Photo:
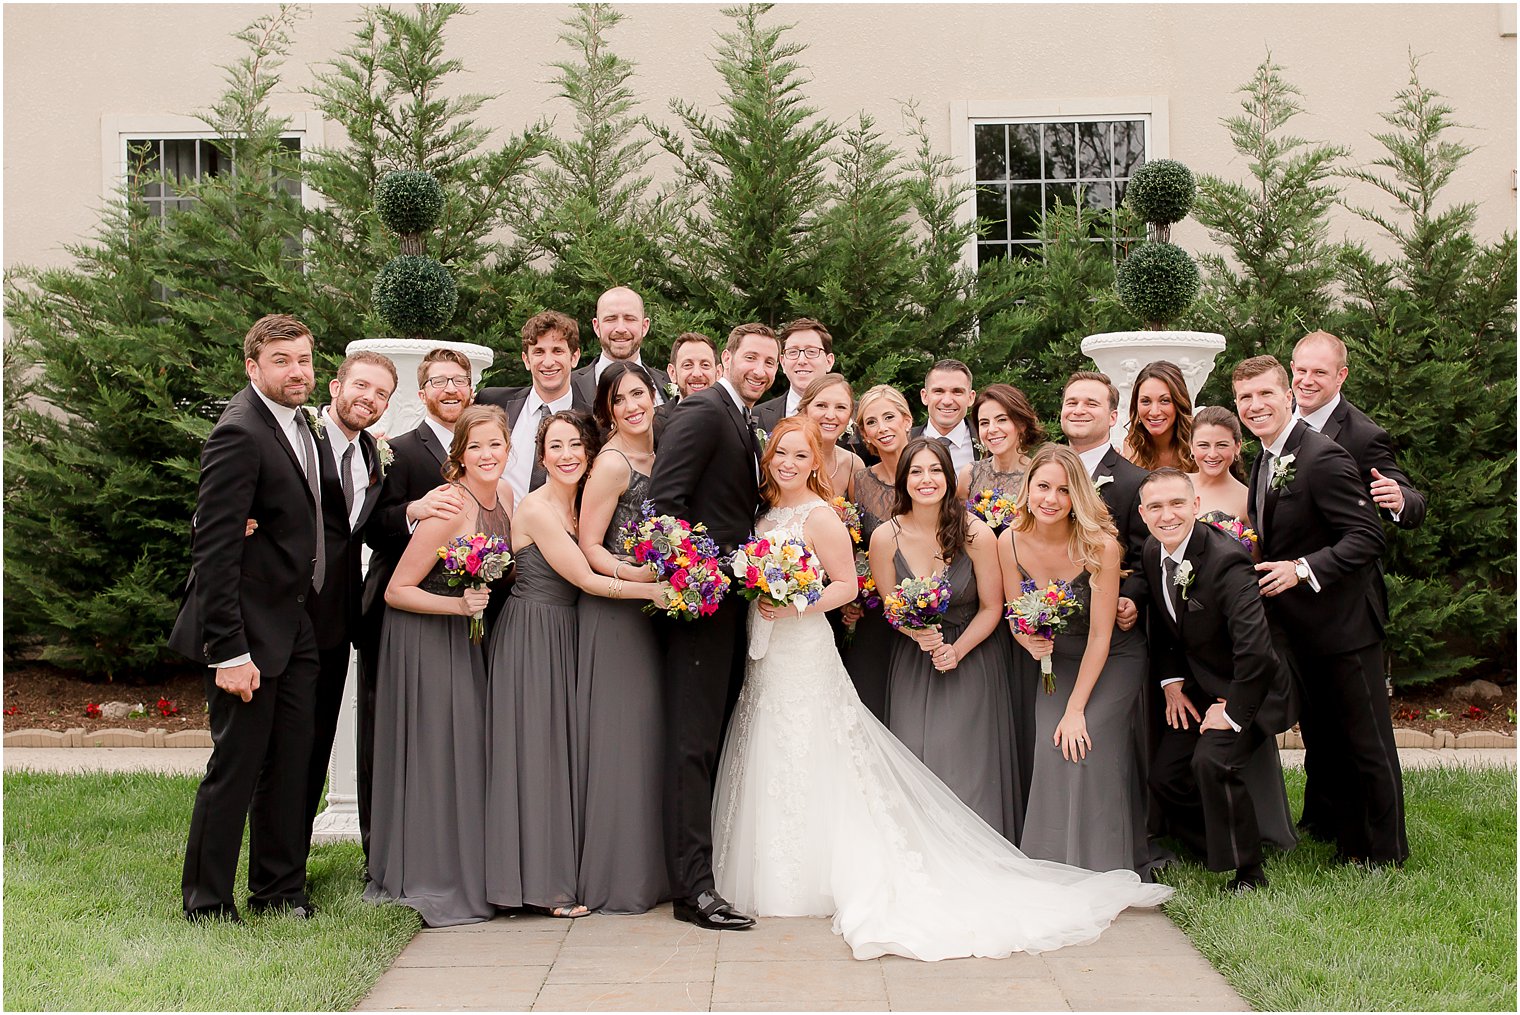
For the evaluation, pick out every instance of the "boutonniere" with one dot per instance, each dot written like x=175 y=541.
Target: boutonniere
x=978 y=448
x=1282 y=472
x=673 y=391
x=1102 y=481
x=763 y=437
x=1183 y=579
x=386 y=455
x=849 y=430
x=315 y=422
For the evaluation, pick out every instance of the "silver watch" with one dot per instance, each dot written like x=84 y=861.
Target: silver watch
x=1301 y=568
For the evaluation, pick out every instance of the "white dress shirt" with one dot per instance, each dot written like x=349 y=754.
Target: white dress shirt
x=1093 y=457
x=1319 y=417
x=519 y=473
x=358 y=469
x=1178 y=555
x=962 y=453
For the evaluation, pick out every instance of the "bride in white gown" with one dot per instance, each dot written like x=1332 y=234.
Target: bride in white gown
x=820 y=811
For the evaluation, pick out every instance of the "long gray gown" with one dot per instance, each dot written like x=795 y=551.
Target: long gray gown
x=427 y=840
x=532 y=822
x=1090 y=813
x=960 y=722
x=868 y=653
x=620 y=727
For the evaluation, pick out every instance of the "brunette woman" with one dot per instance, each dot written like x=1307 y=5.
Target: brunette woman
x=830 y=402
x=1160 y=419
x=1006 y=425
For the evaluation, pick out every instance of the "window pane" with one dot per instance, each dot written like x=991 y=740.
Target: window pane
x=1060 y=151
x=1023 y=151
x=990 y=251
x=1026 y=251
x=1098 y=195
x=1065 y=192
x=992 y=205
x=991 y=157
x=1129 y=146
x=179 y=158
x=1093 y=155
x=1023 y=210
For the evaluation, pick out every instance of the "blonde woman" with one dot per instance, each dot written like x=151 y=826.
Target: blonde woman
x=1086 y=802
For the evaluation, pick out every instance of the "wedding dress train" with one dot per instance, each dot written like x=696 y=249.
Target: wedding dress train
x=820 y=811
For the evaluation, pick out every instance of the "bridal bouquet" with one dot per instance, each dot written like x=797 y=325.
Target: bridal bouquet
x=780 y=572
x=475 y=561
x=917 y=603
x=681 y=554
x=1238 y=530
x=1043 y=612
x=994 y=508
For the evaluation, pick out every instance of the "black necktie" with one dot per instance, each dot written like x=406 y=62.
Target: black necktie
x=346 y=478
x=539 y=475
x=945 y=441
x=309 y=455
x=1169 y=571
x=1265 y=477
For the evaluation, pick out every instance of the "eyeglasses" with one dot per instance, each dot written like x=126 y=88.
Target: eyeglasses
x=448 y=382
x=813 y=352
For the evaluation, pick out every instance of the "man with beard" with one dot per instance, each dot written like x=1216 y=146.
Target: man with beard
x=620 y=327
x=351 y=474
x=693 y=366
x=244 y=615
x=413 y=490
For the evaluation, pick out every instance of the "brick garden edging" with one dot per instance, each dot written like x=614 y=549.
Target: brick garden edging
x=202 y=738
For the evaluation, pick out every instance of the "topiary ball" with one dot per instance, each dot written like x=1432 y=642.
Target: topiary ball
x=1157 y=282
x=1161 y=191
x=414 y=295
x=408 y=201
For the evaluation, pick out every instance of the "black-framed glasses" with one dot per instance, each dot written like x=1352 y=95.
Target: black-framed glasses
x=810 y=353
x=448 y=382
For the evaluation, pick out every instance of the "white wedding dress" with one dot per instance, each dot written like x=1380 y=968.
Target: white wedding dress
x=821 y=811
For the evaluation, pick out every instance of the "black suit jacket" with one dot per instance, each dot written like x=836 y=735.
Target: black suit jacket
x=335 y=610
x=1325 y=515
x=1370 y=447
x=1122 y=495
x=583 y=383
x=247 y=593
x=418 y=468
x=706 y=470
x=1220 y=642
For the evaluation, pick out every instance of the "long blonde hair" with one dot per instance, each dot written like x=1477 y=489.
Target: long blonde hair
x=1092 y=527
x=888 y=394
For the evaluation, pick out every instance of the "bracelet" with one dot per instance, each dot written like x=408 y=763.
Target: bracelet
x=617 y=569
x=614 y=588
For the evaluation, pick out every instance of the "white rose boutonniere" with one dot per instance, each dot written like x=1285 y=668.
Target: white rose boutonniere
x=672 y=391
x=387 y=456
x=1102 y=481
x=314 y=421
x=1183 y=579
x=1282 y=471
x=763 y=437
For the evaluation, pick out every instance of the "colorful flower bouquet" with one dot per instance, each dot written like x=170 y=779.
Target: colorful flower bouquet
x=917 y=603
x=1043 y=612
x=780 y=573
x=1237 y=530
x=681 y=554
x=850 y=515
x=993 y=507
x=475 y=561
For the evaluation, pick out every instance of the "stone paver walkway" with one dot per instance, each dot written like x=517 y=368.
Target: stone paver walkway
x=652 y=962
x=169 y=760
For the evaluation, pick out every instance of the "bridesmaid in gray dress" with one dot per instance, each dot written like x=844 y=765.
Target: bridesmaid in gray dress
x=884 y=420
x=427 y=842
x=533 y=817
x=947 y=686
x=1008 y=427
x=618 y=707
x=1086 y=802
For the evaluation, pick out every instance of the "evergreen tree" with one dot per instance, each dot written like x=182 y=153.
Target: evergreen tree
x=1276 y=283
x=1431 y=335
x=128 y=354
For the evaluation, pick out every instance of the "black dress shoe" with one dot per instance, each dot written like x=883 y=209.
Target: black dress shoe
x=304 y=911
x=710 y=912
x=214 y=914
x=1246 y=880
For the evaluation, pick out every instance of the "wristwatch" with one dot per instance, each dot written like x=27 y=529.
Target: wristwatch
x=1301 y=568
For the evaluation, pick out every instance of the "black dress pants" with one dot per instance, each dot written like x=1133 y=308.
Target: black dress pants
x=260 y=758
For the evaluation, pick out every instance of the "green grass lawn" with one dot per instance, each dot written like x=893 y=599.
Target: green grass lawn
x=1438 y=935
x=92 y=910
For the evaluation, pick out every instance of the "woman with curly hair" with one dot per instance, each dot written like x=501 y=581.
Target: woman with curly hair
x=1160 y=419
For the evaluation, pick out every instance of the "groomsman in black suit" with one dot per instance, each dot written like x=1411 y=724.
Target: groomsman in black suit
x=709 y=472
x=351 y=476
x=413 y=489
x=244 y=615
x=551 y=346
x=1320 y=543
x=947 y=393
x=1213 y=656
x=693 y=366
x=1319 y=370
x=807 y=351
x=620 y=327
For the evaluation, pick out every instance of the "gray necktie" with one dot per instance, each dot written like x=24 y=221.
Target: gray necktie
x=539 y=475
x=1265 y=477
x=346 y=478
x=1169 y=570
x=309 y=457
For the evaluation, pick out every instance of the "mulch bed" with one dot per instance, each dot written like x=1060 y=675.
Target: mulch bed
x=39 y=696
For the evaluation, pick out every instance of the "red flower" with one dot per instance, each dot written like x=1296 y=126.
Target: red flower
x=472 y=563
x=13 y=710
x=1474 y=712
x=167 y=707
x=92 y=710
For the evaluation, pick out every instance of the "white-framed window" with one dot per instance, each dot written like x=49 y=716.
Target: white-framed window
x=1020 y=158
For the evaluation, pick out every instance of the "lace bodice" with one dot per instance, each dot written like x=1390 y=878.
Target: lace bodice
x=985 y=476
x=875 y=500
x=789 y=523
x=629 y=508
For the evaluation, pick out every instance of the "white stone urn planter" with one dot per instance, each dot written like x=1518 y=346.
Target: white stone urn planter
x=339 y=821
x=1123 y=354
